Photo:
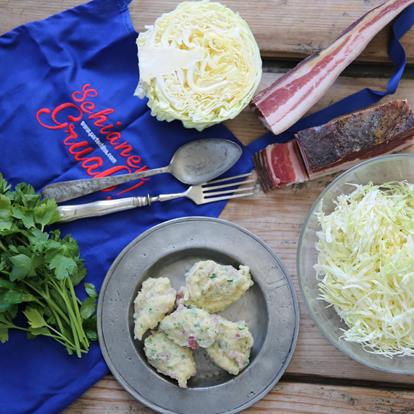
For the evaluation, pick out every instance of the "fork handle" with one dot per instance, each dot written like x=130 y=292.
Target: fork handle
x=101 y=208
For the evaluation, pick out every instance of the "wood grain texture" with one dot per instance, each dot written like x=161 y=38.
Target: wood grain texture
x=107 y=397
x=283 y=29
x=290 y=28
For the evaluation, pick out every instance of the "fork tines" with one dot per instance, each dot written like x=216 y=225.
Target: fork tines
x=230 y=187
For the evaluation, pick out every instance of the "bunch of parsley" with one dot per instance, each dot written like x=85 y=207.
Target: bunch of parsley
x=38 y=273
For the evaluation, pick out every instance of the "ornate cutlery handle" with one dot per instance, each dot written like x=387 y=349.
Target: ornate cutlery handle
x=101 y=208
x=68 y=190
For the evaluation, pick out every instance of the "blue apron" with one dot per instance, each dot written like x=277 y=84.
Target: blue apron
x=67 y=111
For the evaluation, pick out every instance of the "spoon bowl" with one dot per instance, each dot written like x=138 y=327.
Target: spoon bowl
x=204 y=160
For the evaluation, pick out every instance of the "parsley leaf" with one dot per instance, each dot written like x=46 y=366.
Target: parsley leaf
x=21 y=266
x=63 y=266
x=34 y=317
x=88 y=308
x=90 y=290
x=5 y=213
x=38 y=272
x=46 y=213
x=25 y=215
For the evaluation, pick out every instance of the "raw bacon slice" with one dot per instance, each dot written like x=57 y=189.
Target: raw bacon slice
x=291 y=96
x=337 y=145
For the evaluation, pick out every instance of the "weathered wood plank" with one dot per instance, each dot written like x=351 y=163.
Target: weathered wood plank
x=107 y=397
x=284 y=29
x=290 y=28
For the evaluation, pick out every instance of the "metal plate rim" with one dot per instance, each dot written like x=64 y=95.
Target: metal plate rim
x=142 y=236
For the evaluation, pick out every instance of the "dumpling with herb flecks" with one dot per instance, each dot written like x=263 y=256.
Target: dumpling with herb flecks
x=155 y=299
x=231 y=351
x=170 y=359
x=191 y=327
x=213 y=287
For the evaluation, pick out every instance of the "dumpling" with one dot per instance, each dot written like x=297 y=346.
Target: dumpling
x=170 y=359
x=213 y=287
x=231 y=351
x=155 y=299
x=193 y=327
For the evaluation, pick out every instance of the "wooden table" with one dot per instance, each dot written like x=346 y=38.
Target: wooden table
x=319 y=379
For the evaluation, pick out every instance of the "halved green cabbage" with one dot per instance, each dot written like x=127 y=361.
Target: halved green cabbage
x=199 y=64
x=366 y=266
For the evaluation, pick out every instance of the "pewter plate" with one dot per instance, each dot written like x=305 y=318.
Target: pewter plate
x=270 y=309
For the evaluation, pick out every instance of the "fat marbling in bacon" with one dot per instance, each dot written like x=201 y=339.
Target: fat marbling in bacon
x=291 y=96
x=337 y=145
x=280 y=165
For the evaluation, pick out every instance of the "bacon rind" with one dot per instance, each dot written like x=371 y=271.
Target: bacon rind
x=291 y=96
x=263 y=172
x=398 y=143
x=348 y=139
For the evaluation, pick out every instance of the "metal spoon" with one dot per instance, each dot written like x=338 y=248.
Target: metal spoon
x=193 y=163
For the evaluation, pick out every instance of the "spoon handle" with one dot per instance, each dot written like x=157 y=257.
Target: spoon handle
x=68 y=190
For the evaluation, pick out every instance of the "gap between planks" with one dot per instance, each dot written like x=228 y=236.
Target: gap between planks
x=107 y=397
x=355 y=70
x=345 y=382
x=288 y=29
x=291 y=28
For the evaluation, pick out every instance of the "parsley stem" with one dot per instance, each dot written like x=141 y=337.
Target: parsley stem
x=61 y=335
x=72 y=348
x=21 y=240
x=68 y=344
x=58 y=309
x=83 y=338
x=48 y=300
x=74 y=324
x=56 y=315
x=13 y=326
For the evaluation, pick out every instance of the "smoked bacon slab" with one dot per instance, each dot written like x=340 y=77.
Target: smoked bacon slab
x=337 y=145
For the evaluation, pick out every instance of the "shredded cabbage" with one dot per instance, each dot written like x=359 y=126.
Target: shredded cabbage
x=199 y=64
x=366 y=266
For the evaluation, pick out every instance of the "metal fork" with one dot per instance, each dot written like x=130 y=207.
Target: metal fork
x=217 y=190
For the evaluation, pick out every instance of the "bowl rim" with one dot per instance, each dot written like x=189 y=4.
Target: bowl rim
x=305 y=225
